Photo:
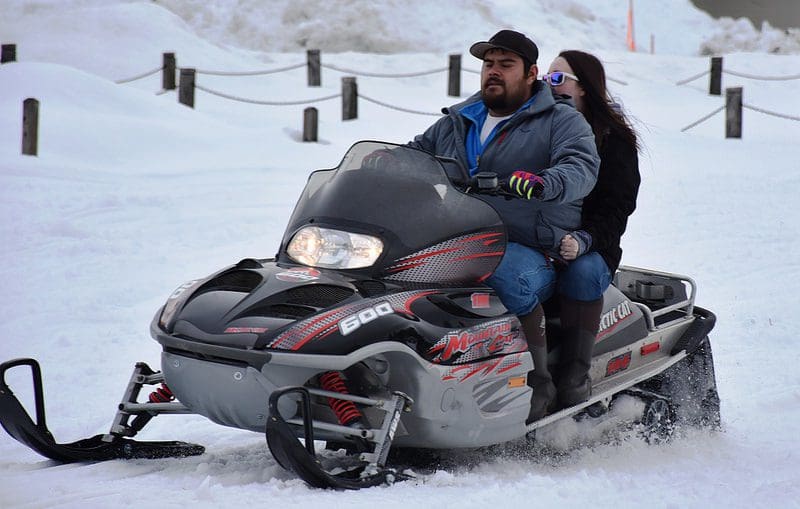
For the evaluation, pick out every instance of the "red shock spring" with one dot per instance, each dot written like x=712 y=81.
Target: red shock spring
x=161 y=395
x=345 y=410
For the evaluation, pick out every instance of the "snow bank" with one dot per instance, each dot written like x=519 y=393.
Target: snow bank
x=741 y=35
x=416 y=26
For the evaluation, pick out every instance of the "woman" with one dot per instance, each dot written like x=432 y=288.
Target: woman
x=593 y=252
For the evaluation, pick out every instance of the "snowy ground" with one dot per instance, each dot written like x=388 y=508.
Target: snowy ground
x=133 y=194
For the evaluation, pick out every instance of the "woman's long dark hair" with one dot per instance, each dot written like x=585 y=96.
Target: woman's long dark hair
x=598 y=107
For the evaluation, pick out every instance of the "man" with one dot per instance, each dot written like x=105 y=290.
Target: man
x=546 y=151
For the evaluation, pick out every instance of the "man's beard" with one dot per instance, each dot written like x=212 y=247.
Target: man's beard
x=495 y=102
x=502 y=101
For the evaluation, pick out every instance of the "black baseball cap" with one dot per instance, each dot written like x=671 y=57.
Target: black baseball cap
x=508 y=40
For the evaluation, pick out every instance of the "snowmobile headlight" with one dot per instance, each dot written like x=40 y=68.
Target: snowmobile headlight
x=334 y=249
x=176 y=300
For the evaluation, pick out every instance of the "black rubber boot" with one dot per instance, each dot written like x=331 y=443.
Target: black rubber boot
x=579 y=321
x=543 y=400
x=544 y=391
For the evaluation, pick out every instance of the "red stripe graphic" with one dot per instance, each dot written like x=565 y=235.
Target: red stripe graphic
x=480 y=236
x=478 y=255
x=427 y=255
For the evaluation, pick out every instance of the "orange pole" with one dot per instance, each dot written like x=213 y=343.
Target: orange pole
x=630 y=41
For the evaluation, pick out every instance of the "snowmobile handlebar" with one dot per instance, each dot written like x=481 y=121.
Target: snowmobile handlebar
x=487 y=182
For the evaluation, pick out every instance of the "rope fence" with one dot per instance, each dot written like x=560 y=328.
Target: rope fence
x=771 y=113
x=384 y=75
x=140 y=76
x=738 y=74
x=733 y=114
x=733 y=97
x=692 y=78
x=349 y=95
x=313 y=63
x=398 y=108
x=716 y=71
x=703 y=118
x=252 y=73
x=265 y=103
x=763 y=78
x=746 y=106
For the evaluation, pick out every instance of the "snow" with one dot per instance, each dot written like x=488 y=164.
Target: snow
x=132 y=194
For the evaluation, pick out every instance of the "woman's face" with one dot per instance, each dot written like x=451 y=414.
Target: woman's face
x=569 y=87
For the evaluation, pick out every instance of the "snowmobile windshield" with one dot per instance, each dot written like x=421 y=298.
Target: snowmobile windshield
x=400 y=195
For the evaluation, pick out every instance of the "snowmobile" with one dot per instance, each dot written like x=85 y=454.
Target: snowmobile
x=371 y=330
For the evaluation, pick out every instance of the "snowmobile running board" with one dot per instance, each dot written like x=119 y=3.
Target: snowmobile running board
x=603 y=392
x=689 y=342
x=113 y=445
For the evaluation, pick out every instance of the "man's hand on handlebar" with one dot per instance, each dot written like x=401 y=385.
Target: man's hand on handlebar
x=486 y=182
x=526 y=184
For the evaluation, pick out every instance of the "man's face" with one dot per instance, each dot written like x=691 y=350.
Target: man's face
x=505 y=83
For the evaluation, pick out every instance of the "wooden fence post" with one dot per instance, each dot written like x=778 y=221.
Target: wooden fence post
x=186 y=87
x=314 y=65
x=310 y=122
x=715 y=81
x=454 y=76
x=733 y=112
x=30 y=127
x=349 y=98
x=168 y=72
x=8 y=53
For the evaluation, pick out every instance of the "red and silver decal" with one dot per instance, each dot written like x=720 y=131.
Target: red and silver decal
x=319 y=327
x=492 y=367
x=612 y=318
x=467 y=257
x=487 y=339
x=618 y=363
x=298 y=274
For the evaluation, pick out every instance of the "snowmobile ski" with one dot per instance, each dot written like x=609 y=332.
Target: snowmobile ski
x=18 y=423
x=368 y=469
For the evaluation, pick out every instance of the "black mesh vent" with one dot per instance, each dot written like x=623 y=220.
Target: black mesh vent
x=320 y=296
x=285 y=311
x=371 y=288
x=236 y=281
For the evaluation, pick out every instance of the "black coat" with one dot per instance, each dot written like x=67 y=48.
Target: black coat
x=607 y=207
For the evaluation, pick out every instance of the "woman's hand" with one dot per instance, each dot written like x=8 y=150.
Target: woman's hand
x=569 y=247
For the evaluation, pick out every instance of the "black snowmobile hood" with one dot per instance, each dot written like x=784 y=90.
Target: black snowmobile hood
x=431 y=231
x=434 y=236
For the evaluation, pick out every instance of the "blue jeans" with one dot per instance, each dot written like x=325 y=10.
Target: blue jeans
x=585 y=278
x=524 y=278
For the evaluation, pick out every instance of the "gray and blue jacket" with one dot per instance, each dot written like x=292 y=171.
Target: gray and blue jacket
x=547 y=137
